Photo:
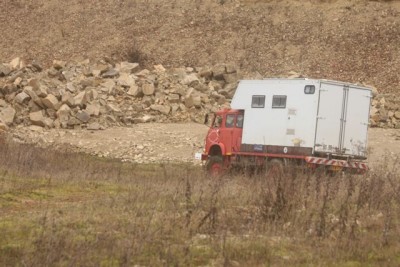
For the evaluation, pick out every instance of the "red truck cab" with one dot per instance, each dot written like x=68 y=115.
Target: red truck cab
x=223 y=138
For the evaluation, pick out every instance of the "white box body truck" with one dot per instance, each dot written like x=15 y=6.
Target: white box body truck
x=319 y=122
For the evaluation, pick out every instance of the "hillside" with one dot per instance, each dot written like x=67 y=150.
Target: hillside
x=355 y=41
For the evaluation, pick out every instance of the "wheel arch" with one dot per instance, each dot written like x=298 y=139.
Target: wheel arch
x=217 y=150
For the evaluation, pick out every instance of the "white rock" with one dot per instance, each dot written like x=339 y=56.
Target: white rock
x=16 y=63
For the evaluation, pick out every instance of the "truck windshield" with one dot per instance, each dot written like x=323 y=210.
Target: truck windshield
x=230 y=121
x=239 y=121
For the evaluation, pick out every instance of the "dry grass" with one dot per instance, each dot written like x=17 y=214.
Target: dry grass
x=62 y=209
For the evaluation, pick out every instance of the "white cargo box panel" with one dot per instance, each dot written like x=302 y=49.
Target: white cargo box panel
x=329 y=117
x=343 y=117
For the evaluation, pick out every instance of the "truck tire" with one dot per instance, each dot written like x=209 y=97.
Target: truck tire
x=274 y=168
x=215 y=166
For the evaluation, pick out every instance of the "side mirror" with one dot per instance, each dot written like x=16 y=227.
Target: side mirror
x=206 y=119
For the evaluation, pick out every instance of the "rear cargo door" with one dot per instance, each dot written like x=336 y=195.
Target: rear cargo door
x=354 y=136
x=342 y=120
x=331 y=97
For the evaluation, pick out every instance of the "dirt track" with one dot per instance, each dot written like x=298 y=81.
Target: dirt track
x=157 y=142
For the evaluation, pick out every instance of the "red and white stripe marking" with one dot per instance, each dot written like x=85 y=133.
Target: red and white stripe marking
x=336 y=162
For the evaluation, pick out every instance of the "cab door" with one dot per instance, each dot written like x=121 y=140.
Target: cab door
x=231 y=132
x=226 y=132
x=237 y=133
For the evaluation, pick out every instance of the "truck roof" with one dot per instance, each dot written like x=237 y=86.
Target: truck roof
x=225 y=110
x=307 y=79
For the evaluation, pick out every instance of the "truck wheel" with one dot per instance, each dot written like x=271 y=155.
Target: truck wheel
x=274 y=168
x=215 y=166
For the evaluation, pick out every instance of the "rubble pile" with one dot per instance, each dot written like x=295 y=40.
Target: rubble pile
x=103 y=94
x=98 y=95
x=385 y=111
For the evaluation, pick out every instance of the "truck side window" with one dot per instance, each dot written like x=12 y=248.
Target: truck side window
x=230 y=120
x=309 y=89
x=217 y=122
x=258 y=101
x=239 y=121
x=279 y=101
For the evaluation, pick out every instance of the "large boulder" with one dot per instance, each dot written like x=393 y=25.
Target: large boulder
x=4 y=70
x=80 y=99
x=63 y=113
x=110 y=73
x=126 y=80
x=7 y=115
x=3 y=127
x=163 y=109
x=17 y=63
x=83 y=116
x=39 y=89
x=59 y=64
x=37 y=118
x=22 y=98
x=148 y=89
x=190 y=80
x=127 y=67
x=37 y=100
x=93 y=109
x=219 y=71
x=50 y=101
x=68 y=98
x=173 y=98
x=113 y=107
x=135 y=91
x=108 y=86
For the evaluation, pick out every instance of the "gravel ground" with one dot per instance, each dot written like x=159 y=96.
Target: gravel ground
x=158 y=142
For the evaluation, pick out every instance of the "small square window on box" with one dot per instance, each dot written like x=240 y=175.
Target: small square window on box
x=279 y=101
x=258 y=101
x=309 y=89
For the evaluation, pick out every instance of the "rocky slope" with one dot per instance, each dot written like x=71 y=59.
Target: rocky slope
x=354 y=41
x=97 y=95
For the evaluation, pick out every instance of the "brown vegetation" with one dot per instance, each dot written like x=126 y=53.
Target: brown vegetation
x=71 y=209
